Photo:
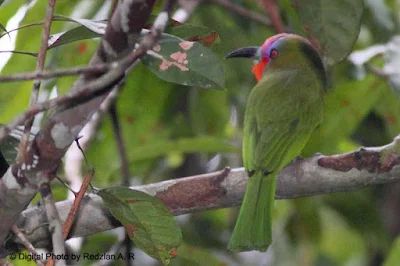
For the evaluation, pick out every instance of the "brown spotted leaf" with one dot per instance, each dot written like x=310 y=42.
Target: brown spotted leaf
x=146 y=220
x=184 y=62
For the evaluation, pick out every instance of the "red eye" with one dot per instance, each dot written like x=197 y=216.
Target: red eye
x=273 y=54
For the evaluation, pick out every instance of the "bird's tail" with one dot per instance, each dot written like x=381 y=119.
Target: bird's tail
x=253 y=226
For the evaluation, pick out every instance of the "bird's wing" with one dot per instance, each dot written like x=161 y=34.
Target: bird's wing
x=277 y=124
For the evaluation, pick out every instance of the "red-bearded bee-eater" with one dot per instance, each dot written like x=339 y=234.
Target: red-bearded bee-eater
x=282 y=111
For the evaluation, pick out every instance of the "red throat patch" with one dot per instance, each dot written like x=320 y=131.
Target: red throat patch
x=258 y=68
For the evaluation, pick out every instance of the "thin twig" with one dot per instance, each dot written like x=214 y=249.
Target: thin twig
x=124 y=167
x=31 y=231
x=75 y=154
x=120 y=145
x=45 y=190
x=100 y=68
x=65 y=185
x=242 y=11
x=39 y=67
x=86 y=93
x=28 y=245
x=23 y=27
x=81 y=149
x=55 y=226
x=78 y=198
x=19 y=52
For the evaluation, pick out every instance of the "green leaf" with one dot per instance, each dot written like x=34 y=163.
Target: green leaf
x=76 y=34
x=333 y=25
x=394 y=255
x=183 y=62
x=95 y=26
x=8 y=148
x=146 y=220
x=89 y=29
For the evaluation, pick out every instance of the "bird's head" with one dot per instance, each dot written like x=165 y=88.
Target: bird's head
x=281 y=50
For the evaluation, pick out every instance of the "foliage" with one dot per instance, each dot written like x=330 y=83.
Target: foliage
x=146 y=220
x=172 y=130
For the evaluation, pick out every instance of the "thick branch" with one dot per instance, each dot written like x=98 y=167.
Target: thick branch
x=303 y=177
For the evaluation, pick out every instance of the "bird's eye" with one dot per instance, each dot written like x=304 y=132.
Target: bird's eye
x=273 y=54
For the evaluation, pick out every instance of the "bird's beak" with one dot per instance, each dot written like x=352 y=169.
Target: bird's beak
x=248 y=52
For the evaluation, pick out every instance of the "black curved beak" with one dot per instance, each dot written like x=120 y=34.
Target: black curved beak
x=248 y=52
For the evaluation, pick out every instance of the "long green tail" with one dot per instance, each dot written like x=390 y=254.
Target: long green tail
x=253 y=227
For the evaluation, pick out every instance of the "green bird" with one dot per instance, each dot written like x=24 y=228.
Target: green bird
x=282 y=111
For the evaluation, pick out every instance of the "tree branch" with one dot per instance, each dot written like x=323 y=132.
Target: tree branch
x=22 y=180
x=303 y=177
x=29 y=247
x=92 y=70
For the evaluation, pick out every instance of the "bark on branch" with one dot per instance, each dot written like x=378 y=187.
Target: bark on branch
x=303 y=177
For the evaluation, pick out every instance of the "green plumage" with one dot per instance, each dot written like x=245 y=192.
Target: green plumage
x=282 y=111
